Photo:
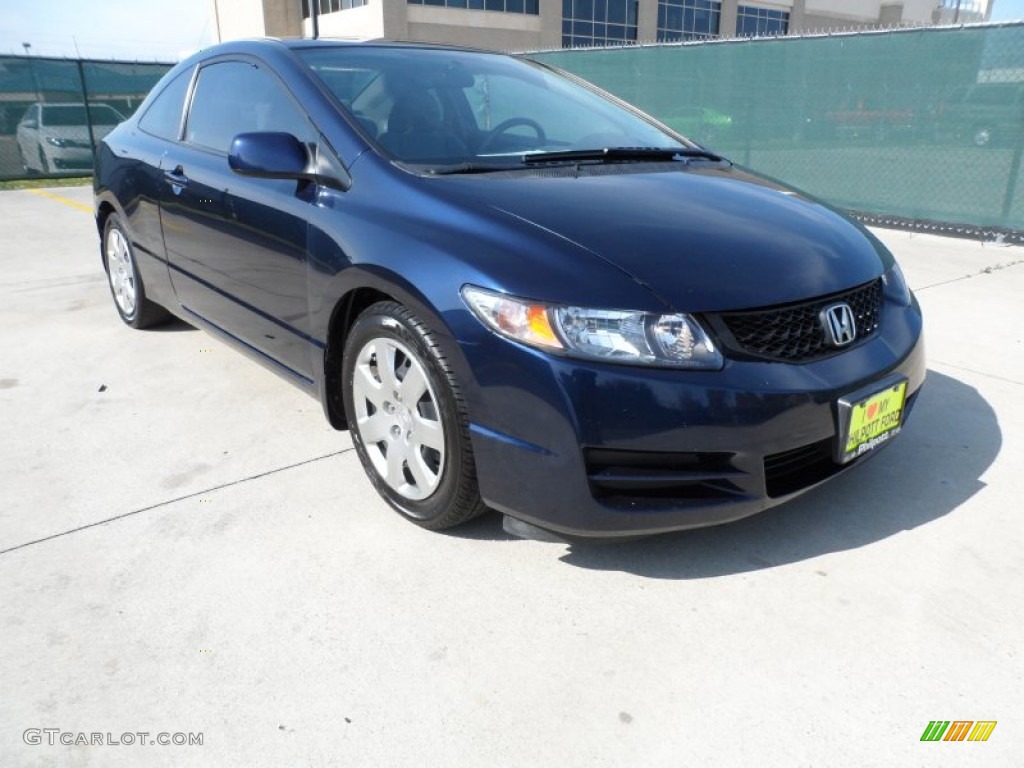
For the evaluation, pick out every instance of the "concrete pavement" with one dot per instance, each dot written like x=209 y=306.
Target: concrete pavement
x=187 y=547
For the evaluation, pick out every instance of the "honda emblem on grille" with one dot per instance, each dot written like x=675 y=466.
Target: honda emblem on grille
x=840 y=326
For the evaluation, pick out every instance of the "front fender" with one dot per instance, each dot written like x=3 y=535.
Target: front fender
x=332 y=329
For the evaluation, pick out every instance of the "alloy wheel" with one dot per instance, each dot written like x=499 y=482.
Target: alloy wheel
x=121 y=271
x=398 y=418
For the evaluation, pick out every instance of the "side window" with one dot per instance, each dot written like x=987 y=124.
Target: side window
x=163 y=118
x=235 y=97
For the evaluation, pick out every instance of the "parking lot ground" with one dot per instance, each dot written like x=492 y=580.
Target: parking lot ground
x=187 y=547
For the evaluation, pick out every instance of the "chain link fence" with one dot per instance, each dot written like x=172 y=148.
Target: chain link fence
x=46 y=128
x=920 y=127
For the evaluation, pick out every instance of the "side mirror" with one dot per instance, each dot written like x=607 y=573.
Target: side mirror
x=273 y=155
x=270 y=155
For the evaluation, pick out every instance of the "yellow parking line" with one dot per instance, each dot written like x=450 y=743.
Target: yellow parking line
x=62 y=199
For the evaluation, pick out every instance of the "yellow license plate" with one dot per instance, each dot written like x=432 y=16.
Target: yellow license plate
x=874 y=421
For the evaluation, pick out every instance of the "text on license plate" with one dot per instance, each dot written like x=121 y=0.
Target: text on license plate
x=874 y=420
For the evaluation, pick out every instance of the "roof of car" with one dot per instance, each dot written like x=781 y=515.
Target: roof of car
x=256 y=44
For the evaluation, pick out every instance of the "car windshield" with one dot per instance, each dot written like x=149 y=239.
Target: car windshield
x=436 y=107
x=74 y=114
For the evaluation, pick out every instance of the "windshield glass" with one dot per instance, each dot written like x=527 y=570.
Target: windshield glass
x=438 y=107
x=74 y=114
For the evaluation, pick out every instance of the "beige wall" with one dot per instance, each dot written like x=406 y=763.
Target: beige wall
x=853 y=14
x=282 y=19
x=477 y=29
x=551 y=23
x=363 y=23
x=919 y=11
x=646 y=21
x=477 y=37
x=232 y=19
x=873 y=12
x=816 y=23
x=397 y=20
x=854 y=10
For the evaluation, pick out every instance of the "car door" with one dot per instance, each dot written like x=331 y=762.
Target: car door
x=139 y=153
x=236 y=246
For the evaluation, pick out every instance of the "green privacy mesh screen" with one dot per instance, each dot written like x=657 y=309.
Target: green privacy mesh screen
x=45 y=129
x=922 y=124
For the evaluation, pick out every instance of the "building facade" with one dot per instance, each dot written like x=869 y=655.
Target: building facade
x=518 y=25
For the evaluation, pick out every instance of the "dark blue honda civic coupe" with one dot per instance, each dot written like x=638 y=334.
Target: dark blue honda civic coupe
x=516 y=291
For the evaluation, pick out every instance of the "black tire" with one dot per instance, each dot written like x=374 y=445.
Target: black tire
x=141 y=313
x=456 y=497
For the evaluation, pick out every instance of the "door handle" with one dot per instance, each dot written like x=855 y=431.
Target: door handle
x=177 y=177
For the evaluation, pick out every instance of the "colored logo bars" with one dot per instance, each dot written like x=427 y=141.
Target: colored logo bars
x=958 y=730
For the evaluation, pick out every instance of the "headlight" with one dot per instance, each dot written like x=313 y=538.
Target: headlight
x=55 y=141
x=609 y=335
x=896 y=286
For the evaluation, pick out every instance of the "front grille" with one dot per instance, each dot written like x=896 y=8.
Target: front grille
x=794 y=333
x=654 y=478
x=71 y=165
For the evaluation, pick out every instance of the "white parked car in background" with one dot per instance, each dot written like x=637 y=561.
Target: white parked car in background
x=55 y=137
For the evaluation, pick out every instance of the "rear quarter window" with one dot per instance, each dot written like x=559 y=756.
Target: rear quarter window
x=163 y=118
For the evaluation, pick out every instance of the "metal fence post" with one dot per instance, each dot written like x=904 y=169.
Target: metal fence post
x=88 y=115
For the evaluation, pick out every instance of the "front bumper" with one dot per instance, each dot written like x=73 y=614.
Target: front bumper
x=70 y=158
x=586 y=449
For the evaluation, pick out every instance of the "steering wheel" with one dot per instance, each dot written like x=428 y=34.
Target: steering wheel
x=506 y=125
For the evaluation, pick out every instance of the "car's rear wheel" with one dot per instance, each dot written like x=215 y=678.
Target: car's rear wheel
x=125 y=284
x=408 y=420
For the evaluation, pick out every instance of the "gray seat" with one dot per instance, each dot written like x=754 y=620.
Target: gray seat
x=416 y=130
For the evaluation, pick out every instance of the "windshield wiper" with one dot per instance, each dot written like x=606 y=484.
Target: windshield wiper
x=620 y=154
x=469 y=167
x=601 y=155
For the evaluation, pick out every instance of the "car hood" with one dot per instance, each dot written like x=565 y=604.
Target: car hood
x=707 y=239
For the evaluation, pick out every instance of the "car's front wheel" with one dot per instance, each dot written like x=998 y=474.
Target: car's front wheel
x=123 y=276
x=408 y=420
